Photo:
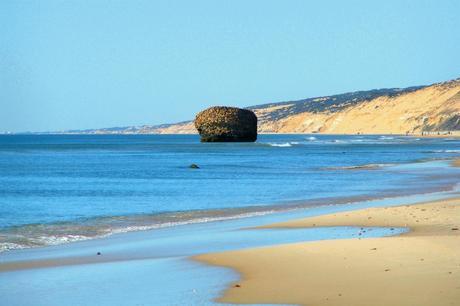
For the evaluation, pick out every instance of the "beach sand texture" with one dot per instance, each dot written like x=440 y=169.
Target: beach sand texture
x=421 y=267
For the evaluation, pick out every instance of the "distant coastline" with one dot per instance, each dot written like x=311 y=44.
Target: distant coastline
x=432 y=110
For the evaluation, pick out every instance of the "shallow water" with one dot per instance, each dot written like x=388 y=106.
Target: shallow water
x=62 y=188
x=152 y=268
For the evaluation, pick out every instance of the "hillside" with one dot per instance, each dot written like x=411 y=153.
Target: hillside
x=413 y=110
x=418 y=109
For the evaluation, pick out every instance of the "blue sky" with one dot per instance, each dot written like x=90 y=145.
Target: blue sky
x=88 y=64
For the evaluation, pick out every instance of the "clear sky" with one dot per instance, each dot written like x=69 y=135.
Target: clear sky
x=88 y=64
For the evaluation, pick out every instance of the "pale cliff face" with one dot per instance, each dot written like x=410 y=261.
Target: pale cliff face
x=384 y=111
x=412 y=112
x=432 y=108
x=423 y=110
x=180 y=128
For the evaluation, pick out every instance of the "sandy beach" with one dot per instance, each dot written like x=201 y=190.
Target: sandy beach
x=420 y=267
x=456 y=163
x=322 y=255
x=206 y=153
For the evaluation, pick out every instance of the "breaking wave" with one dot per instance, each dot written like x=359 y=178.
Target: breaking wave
x=39 y=235
x=283 y=144
x=443 y=151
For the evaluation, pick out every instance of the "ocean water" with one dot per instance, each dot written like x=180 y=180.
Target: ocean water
x=61 y=188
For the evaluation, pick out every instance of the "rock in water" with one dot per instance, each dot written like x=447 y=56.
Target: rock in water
x=226 y=124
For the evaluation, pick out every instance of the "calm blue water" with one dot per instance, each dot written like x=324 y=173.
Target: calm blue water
x=59 y=188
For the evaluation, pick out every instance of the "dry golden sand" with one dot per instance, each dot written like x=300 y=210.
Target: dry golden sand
x=419 y=268
x=456 y=163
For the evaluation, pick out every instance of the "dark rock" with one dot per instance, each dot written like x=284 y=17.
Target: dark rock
x=194 y=166
x=226 y=124
x=98 y=253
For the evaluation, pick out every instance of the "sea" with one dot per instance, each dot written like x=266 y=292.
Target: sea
x=56 y=189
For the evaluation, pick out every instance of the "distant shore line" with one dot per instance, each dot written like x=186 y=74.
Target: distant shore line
x=422 y=134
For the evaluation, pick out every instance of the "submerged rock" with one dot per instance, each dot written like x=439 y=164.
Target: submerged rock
x=226 y=124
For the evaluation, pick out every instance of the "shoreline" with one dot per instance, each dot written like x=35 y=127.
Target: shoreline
x=137 y=223
x=13 y=259
x=245 y=213
x=159 y=264
x=420 y=267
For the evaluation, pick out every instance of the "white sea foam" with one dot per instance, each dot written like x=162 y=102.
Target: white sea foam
x=54 y=240
x=47 y=240
x=136 y=228
x=7 y=246
x=281 y=145
x=445 y=151
x=311 y=138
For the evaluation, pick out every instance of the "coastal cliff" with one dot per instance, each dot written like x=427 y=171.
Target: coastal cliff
x=415 y=110
x=431 y=109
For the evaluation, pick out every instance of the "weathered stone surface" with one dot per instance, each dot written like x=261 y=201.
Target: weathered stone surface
x=226 y=124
